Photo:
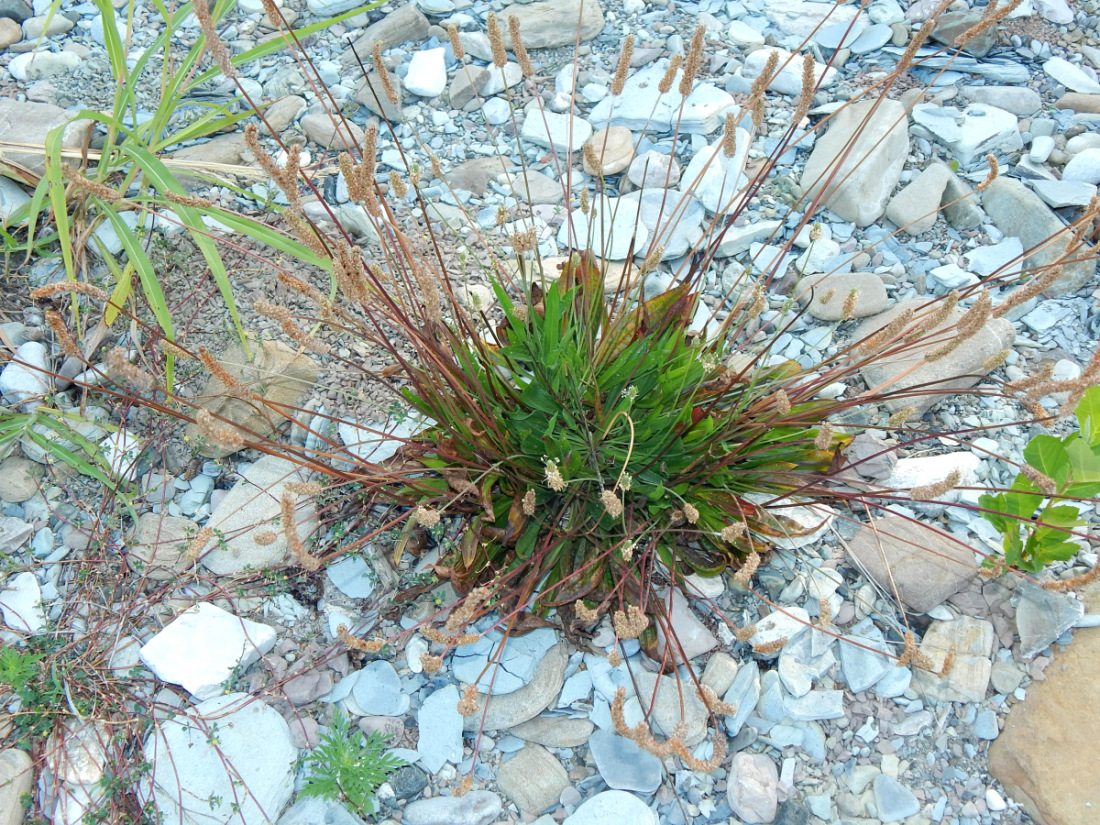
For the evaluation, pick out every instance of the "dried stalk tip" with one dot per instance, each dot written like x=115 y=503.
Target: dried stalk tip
x=467 y=705
x=744 y=573
x=496 y=41
x=994 y=170
x=619 y=82
x=384 y=75
x=824 y=437
x=729 y=136
x=929 y=492
x=198 y=544
x=355 y=643
x=64 y=338
x=691 y=513
x=1073 y=583
x=426 y=516
x=670 y=74
x=611 y=504
x=518 y=49
x=768 y=648
x=585 y=614
x=631 y=623
x=1044 y=482
x=694 y=60
x=224 y=436
x=456 y=42
x=746 y=632
x=79 y=287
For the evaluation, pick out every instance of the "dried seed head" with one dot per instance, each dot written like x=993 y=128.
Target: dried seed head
x=355 y=643
x=694 y=60
x=760 y=83
x=198 y=544
x=585 y=614
x=233 y=385
x=848 y=310
x=631 y=623
x=266 y=538
x=526 y=241
x=994 y=170
x=1072 y=583
x=899 y=418
x=294 y=546
x=744 y=573
x=729 y=136
x=825 y=612
x=518 y=48
x=214 y=44
x=670 y=74
x=746 y=632
x=768 y=648
x=456 y=42
x=221 y=435
x=614 y=658
x=691 y=513
x=384 y=75
x=121 y=370
x=187 y=200
x=758 y=302
x=429 y=663
x=713 y=703
x=78 y=287
x=928 y=492
x=592 y=163
x=623 y=68
x=809 y=82
x=1029 y=290
x=1044 y=482
x=992 y=362
x=554 y=478
x=758 y=113
x=585 y=206
x=64 y=338
x=782 y=402
x=310 y=489
x=732 y=532
x=611 y=503
x=626 y=551
x=426 y=516
x=463 y=787
x=467 y=705
x=397 y=186
x=500 y=54
x=529 y=503
x=824 y=438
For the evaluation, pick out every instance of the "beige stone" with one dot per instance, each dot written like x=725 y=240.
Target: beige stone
x=370 y=93
x=9 y=32
x=925 y=566
x=158 y=548
x=1050 y=741
x=554 y=731
x=959 y=370
x=550 y=23
x=283 y=112
x=533 y=779
x=468 y=79
x=30 y=123
x=511 y=709
x=831 y=292
x=320 y=129
x=1079 y=102
x=614 y=149
x=277 y=373
x=16 y=779
x=19 y=479
x=406 y=23
x=967 y=680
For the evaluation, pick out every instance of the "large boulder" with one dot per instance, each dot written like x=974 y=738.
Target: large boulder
x=31 y=123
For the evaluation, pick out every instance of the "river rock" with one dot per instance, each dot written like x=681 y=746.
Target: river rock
x=972 y=133
x=916 y=207
x=529 y=701
x=399 y=26
x=26 y=380
x=21 y=603
x=753 y=787
x=614 y=148
x=952 y=24
x=16 y=779
x=788 y=80
x=554 y=731
x=158 y=547
x=830 y=294
x=475 y=808
x=1046 y=739
x=968 y=678
x=533 y=779
x=619 y=807
x=1019 y=100
x=19 y=479
x=547 y=24
x=440 y=730
x=858 y=188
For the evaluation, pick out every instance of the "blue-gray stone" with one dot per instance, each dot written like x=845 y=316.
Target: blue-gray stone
x=42 y=544
x=1042 y=616
x=895 y=682
x=512 y=670
x=353 y=577
x=813 y=740
x=863 y=668
x=985 y=725
x=743 y=695
x=893 y=800
x=577 y=688
x=377 y=691
x=440 y=725
x=316 y=811
x=772 y=705
x=785 y=736
x=815 y=705
x=799 y=667
x=623 y=764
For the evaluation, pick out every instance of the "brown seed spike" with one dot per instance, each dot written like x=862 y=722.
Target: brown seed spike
x=496 y=41
x=456 y=42
x=384 y=75
x=694 y=60
x=670 y=74
x=518 y=48
x=624 y=65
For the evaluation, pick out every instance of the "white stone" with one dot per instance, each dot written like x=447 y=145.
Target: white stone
x=26 y=376
x=714 y=178
x=204 y=646
x=440 y=730
x=926 y=470
x=814 y=519
x=558 y=132
x=788 y=80
x=778 y=625
x=1072 y=77
x=1084 y=167
x=1041 y=147
x=377 y=442
x=327 y=8
x=21 y=603
x=497 y=80
x=742 y=34
x=611 y=228
x=1060 y=193
x=229 y=759
x=31 y=66
x=980 y=130
x=12 y=198
x=800 y=18
x=619 y=807
x=427 y=75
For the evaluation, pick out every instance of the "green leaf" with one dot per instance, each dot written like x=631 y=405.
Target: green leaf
x=1088 y=416
x=1048 y=455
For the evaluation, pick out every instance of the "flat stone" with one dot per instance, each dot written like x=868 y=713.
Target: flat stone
x=378 y=692
x=653 y=169
x=817 y=705
x=1042 y=616
x=714 y=179
x=720 y=672
x=533 y=779
x=1016 y=211
x=614 y=148
x=21 y=603
x=1084 y=167
x=959 y=370
x=788 y=80
x=547 y=24
x=893 y=800
x=1061 y=193
x=319 y=129
x=25 y=379
x=619 y=807
x=353 y=577
x=1046 y=739
x=203 y=647
x=916 y=207
x=508 y=710
x=952 y=24
x=401 y=25
x=925 y=566
x=497 y=80
x=968 y=678
x=860 y=660
x=1079 y=103
x=440 y=730
x=280 y=114
x=554 y=731
x=562 y=133
x=743 y=695
x=1072 y=77
x=672 y=705
x=158 y=547
x=30 y=122
x=202 y=758
x=475 y=808
x=251 y=510
x=427 y=75
x=970 y=134
x=1019 y=100
x=371 y=93
x=19 y=479
x=467 y=82
x=313 y=810
x=537 y=187
x=753 y=787
x=693 y=638
x=506 y=671
x=14 y=533
x=612 y=223
x=830 y=294
x=859 y=187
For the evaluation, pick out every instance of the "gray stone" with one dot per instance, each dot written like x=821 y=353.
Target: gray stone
x=916 y=207
x=200 y=761
x=860 y=660
x=317 y=811
x=985 y=725
x=250 y=511
x=960 y=204
x=1084 y=167
x=1072 y=77
x=320 y=129
x=561 y=133
x=969 y=135
x=693 y=638
x=1019 y=100
x=16 y=779
x=613 y=222
x=440 y=728
x=26 y=376
x=858 y=187
x=283 y=112
x=158 y=547
x=753 y=787
x=968 y=678
x=403 y=24
x=815 y=705
x=893 y=800
x=1017 y=211
x=506 y=671
x=467 y=82
x=959 y=370
x=654 y=169
x=508 y=710
x=475 y=808
x=31 y=122
x=1042 y=616
x=1061 y=193
x=554 y=731
x=309 y=686
x=830 y=294
x=720 y=672
x=623 y=764
x=673 y=704
x=14 y=533
x=533 y=779
x=371 y=93
x=923 y=564
x=788 y=79
x=537 y=187
x=743 y=695
x=377 y=691
x=952 y=24
x=353 y=576
x=619 y=807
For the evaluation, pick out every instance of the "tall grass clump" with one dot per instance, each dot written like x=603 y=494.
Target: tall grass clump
x=587 y=435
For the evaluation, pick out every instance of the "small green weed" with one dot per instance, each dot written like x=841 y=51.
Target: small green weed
x=349 y=766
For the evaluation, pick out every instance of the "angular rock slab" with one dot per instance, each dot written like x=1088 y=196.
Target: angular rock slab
x=547 y=24
x=1017 y=211
x=529 y=701
x=959 y=370
x=507 y=672
x=1049 y=738
x=30 y=123
x=252 y=509
x=229 y=760
x=924 y=565
x=440 y=729
x=619 y=807
x=203 y=647
x=623 y=764
x=859 y=187
x=968 y=678
x=475 y=808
